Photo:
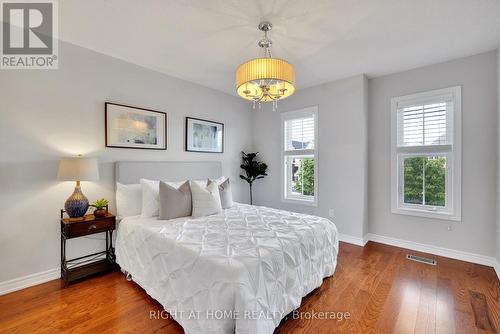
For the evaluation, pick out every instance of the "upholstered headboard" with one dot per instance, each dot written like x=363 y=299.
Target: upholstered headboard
x=128 y=172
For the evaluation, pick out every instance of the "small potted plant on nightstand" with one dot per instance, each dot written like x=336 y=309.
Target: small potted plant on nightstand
x=100 y=206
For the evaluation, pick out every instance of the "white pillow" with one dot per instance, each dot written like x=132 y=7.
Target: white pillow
x=128 y=199
x=226 y=195
x=150 y=196
x=202 y=183
x=220 y=180
x=206 y=199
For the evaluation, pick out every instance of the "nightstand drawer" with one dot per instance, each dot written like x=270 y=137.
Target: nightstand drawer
x=78 y=229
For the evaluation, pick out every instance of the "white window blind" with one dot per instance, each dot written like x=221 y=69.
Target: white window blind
x=424 y=124
x=299 y=156
x=299 y=133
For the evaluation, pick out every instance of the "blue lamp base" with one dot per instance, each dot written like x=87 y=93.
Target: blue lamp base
x=77 y=204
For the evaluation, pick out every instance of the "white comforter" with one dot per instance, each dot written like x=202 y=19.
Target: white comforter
x=239 y=271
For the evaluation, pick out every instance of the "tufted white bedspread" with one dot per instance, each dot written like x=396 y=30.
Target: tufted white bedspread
x=240 y=271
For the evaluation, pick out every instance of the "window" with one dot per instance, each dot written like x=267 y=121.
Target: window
x=426 y=154
x=299 y=156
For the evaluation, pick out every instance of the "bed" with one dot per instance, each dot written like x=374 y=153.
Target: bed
x=240 y=271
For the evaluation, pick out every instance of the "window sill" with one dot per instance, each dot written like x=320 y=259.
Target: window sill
x=313 y=203
x=426 y=214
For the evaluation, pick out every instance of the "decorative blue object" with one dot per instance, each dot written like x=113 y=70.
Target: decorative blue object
x=77 y=169
x=77 y=204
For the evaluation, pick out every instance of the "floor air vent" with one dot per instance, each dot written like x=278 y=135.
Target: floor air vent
x=421 y=259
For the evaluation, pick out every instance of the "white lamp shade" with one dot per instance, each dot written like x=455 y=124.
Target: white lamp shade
x=78 y=169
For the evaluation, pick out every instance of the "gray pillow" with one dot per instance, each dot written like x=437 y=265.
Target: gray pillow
x=226 y=196
x=174 y=202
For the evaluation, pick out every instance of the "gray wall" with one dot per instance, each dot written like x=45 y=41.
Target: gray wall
x=342 y=131
x=476 y=232
x=498 y=155
x=46 y=115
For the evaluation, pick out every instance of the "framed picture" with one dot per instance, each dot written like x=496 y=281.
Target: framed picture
x=132 y=127
x=204 y=136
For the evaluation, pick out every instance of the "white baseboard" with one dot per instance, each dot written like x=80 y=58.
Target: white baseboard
x=365 y=239
x=29 y=280
x=352 y=239
x=497 y=269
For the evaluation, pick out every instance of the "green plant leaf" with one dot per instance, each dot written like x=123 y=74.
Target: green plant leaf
x=100 y=203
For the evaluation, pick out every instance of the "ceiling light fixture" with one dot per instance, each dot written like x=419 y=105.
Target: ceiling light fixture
x=265 y=79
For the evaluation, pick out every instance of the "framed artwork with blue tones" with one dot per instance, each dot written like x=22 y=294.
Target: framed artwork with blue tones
x=204 y=136
x=132 y=127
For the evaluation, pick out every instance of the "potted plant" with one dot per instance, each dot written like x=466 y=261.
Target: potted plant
x=254 y=169
x=100 y=206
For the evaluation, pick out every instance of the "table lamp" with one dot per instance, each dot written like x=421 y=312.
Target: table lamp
x=77 y=169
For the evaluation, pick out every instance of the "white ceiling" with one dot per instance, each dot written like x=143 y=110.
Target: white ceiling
x=205 y=40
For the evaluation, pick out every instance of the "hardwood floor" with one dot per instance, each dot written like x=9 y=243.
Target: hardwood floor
x=381 y=290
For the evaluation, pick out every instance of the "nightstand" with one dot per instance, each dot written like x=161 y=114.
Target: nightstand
x=91 y=264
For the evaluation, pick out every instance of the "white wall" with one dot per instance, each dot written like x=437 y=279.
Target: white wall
x=342 y=154
x=46 y=115
x=476 y=232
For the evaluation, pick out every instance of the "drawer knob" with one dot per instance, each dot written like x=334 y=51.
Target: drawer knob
x=92 y=227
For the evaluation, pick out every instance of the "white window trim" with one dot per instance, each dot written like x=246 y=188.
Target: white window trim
x=454 y=157
x=290 y=115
